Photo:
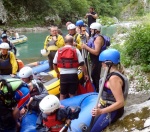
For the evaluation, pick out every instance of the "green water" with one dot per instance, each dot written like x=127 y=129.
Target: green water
x=30 y=51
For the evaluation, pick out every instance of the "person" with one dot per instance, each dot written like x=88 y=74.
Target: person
x=37 y=89
x=72 y=32
x=14 y=95
x=54 y=115
x=8 y=63
x=16 y=34
x=68 y=59
x=67 y=23
x=81 y=29
x=94 y=47
x=52 y=43
x=91 y=16
x=114 y=93
x=11 y=45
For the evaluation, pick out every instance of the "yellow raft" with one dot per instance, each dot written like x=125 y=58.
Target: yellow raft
x=53 y=85
x=20 y=40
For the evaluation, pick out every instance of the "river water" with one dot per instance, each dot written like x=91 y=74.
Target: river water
x=30 y=51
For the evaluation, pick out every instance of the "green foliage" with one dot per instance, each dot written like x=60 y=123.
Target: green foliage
x=137 y=46
x=107 y=21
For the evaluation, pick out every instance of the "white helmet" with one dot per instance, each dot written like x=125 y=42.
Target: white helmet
x=71 y=26
x=96 y=25
x=25 y=72
x=49 y=104
x=44 y=52
x=4 y=46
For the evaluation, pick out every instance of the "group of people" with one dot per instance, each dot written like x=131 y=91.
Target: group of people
x=28 y=93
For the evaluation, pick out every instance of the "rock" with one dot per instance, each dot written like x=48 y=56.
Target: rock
x=136 y=119
x=3 y=13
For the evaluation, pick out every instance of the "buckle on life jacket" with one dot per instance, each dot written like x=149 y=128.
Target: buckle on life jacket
x=106 y=102
x=57 y=126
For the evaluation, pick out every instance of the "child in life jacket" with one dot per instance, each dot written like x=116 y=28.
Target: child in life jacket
x=36 y=87
x=54 y=116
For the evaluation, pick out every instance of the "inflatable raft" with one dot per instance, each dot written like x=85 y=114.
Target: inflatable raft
x=20 y=40
x=53 y=85
x=85 y=101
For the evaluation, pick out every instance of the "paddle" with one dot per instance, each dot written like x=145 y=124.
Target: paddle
x=101 y=85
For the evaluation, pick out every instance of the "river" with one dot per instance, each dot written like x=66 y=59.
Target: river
x=30 y=51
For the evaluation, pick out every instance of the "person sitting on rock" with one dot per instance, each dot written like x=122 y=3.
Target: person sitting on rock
x=8 y=63
x=37 y=89
x=54 y=116
x=114 y=93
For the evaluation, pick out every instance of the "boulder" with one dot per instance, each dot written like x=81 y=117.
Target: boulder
x=3 y=13
x=136 y=119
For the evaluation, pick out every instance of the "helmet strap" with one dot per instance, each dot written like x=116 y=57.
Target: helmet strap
x=109 y=64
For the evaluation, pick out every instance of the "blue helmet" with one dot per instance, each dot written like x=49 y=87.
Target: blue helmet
x=112 y=55
x=79 y=23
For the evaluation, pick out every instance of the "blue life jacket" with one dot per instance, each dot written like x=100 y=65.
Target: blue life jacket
x=90 y=44
x=106 y=42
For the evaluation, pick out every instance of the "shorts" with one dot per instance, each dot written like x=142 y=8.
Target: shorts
x=68 y=83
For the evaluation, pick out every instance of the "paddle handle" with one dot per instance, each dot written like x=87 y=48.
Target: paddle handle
x=101 y=85
x=64 y=127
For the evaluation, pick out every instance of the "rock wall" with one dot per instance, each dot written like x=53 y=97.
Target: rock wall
x=3 y=13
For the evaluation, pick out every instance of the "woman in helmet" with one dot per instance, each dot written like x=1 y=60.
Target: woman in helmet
x=37 y=89
x=54 y=115
x=8 y=63
x=81 y=29
x=114 y=92
x=72 y=32
x=94 y=46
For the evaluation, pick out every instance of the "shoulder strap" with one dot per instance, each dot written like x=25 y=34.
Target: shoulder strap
x=125 y=82
x=75 y=38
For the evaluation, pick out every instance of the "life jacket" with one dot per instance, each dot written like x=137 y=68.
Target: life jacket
x=94 y=58
x=8 y=89
x=106 y=42
x=5 y=65
x=107 y=95
x=20 y=64
x=52 y=123
x=67 y=58
x=51 y=44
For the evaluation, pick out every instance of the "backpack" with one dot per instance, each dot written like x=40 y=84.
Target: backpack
x=7 y=90
x=106 y=40
x=67 y=58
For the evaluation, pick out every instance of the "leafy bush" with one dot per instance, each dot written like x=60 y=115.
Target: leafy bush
x=137 y=46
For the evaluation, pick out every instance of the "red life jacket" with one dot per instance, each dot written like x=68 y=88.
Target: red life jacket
x=67 y=58
x=53 y=124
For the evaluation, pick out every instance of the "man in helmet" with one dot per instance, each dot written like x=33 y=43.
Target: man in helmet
x=51 y=44
x=14 y=95
x=81 y=29
x=37 y=89
x=72 y=32
x=68 y=59
x=94 y=47
x=91 y=16
x=114 y=94
x=8 y=63
x=54 y=115
x=12 y=47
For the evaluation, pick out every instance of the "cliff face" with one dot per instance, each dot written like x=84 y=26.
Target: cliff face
x=3 y=13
